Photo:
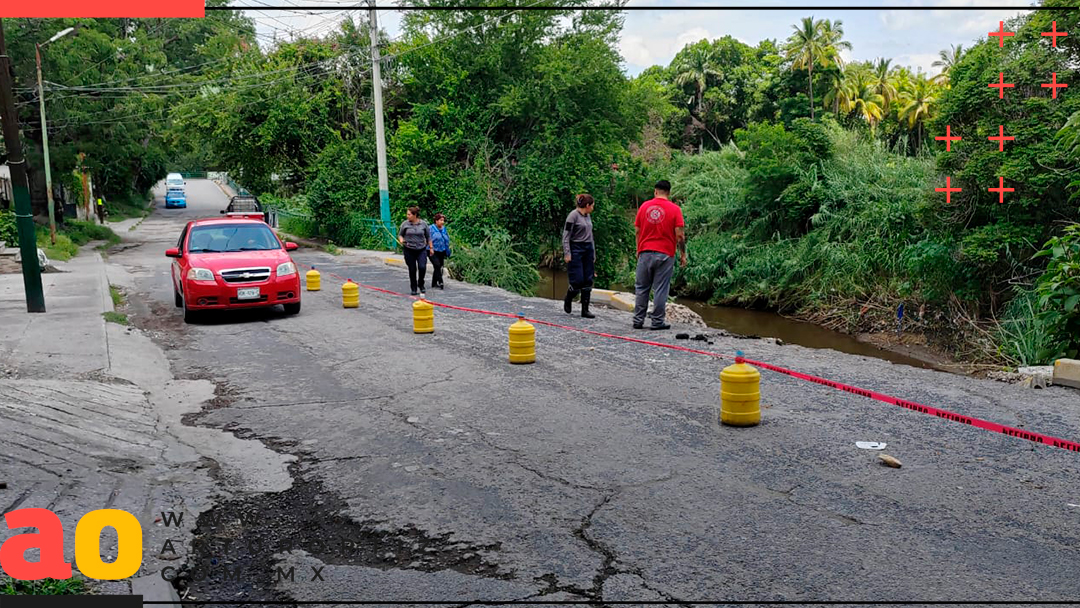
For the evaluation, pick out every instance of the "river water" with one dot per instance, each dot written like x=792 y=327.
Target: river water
x=553 y=284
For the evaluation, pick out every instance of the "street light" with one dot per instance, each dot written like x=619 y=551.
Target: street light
x=45 y=134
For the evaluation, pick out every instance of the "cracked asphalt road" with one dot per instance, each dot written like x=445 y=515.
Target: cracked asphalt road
x=429 y=468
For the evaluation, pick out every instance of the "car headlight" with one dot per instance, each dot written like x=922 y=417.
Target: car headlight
x=286 y=269
x=200 y=274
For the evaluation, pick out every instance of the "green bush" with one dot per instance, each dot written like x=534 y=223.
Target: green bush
x=1023 y=337
x=82 y=233
x=494 y=262
x=1059 y=294
x=9 y=231
x=844 y=227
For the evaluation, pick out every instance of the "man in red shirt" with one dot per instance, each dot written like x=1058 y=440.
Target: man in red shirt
x=660 y=230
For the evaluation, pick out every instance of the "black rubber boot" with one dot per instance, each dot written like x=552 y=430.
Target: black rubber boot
x=568 y=301
x=586 y=295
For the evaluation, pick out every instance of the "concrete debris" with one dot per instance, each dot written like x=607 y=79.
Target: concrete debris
x=889 y=461
x=682 y=315
x=1028 y=377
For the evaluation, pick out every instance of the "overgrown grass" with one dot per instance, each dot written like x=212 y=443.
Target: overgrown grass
x=135 y=205
x=72 y=235
x=1022 y=337
x=49 y=586
x=117 y=295
x=853 y=246
x=116 y=317
x=299 y=226
x=332 y=249
x=495 y=263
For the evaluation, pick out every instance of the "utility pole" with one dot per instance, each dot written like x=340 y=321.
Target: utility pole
x=35 y=297
x=45 y=134
x=380 y=130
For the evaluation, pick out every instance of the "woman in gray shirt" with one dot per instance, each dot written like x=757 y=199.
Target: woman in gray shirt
x=580 y=255
x=415 y=237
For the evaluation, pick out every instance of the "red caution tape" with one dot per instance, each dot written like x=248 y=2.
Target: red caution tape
x=925 y=409
x=1032 y=436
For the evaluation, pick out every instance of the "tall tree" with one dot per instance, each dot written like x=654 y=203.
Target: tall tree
x=918 y=104
x=815 y=43
x=948 y=58
x=694 y=67
x=884 y=82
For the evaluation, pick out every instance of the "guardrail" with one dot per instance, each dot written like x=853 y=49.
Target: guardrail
x=376 y=226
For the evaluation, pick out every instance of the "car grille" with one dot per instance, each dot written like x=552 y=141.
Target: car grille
x=245 y=275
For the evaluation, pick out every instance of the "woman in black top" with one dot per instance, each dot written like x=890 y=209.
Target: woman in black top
x=415 y=237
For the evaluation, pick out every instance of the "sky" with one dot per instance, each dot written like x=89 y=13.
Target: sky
x=650 y=37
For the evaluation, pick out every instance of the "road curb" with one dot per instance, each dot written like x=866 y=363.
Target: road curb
x=153 y=588
x=106 y=293
x=622 y=301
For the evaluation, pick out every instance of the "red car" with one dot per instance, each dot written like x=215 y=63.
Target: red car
x=233 y=263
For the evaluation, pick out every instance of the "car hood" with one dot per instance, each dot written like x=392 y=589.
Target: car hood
x=240 y=259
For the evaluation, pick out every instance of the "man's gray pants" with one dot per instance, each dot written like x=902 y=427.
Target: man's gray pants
x=654 y=272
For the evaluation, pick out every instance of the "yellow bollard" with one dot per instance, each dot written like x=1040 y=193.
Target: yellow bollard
x=314 y=280
x=740 y=394
x=423 y=317
x=350 y=295
x=522 y=341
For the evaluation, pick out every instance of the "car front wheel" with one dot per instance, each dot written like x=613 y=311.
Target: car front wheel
x=191 y=316
x=177 y=299
x=292 y=309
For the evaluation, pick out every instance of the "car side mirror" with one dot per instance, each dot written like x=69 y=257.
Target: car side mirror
x=172 y=253
x=222 y=212
x=291 y=246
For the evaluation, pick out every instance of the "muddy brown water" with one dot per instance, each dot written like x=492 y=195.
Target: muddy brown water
x=553 y=285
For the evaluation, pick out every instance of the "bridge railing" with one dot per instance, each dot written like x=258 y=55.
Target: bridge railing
x=278 y=213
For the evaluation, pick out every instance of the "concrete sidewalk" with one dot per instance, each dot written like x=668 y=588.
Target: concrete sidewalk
x=70 y=336
x=86 y=423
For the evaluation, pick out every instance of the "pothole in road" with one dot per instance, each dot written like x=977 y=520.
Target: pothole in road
x=236 y=543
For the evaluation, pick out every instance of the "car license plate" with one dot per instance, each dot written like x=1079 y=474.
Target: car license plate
x=251 y=293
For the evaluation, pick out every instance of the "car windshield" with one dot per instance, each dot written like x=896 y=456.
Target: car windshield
x=224 y=238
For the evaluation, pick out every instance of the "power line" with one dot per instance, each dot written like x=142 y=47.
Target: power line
x=388 y=57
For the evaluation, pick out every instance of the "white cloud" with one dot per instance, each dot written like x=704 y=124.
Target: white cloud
x=919 y=60
x=659 y=49
x=902 y=20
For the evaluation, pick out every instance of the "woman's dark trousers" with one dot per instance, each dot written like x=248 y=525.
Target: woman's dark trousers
x=580 y=272
x=416 y=259
x=437 y=262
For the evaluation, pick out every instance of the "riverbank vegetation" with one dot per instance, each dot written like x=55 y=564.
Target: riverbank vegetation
x=807 y=181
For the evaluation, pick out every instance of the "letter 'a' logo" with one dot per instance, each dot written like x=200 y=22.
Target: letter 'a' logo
x=49 y=541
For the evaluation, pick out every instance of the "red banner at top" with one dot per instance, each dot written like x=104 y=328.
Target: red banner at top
x=103 y=8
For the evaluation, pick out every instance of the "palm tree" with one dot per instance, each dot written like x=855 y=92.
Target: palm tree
x=949 y=58
x=919 y=102
x=833 y=33
x=815 y=42
x=838 y=95
x=884 y=82
x=694 y=66
x=865 y=100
